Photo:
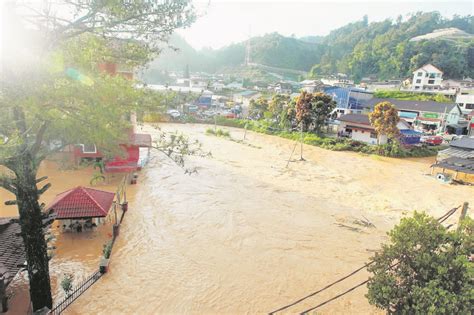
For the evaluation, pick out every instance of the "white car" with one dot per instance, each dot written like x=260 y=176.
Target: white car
x=173 y=113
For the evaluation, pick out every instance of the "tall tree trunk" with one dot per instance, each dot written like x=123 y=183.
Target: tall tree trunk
x=31 y=222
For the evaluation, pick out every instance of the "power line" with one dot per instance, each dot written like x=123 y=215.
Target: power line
x=441 y=219
x=335 y=297
x=321 y=290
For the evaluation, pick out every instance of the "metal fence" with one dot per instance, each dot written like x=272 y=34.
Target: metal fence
x=81 y=288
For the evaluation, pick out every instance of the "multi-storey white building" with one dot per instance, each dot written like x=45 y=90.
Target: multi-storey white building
x=427 y=77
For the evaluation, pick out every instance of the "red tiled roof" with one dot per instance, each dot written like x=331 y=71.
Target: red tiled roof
x=82 y=202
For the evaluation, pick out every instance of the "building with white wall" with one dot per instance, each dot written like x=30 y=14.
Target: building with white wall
x=427 y=78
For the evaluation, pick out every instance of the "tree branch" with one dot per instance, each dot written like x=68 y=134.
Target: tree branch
x=44 y=189
x=8 y=184
x=39 y=138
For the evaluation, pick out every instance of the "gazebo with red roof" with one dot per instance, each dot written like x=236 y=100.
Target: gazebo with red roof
x=82 y=203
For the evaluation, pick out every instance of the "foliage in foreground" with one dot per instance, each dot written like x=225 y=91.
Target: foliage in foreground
x=53 y=93
x=425 y=269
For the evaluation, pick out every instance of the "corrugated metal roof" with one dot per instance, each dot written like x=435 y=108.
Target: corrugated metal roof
x=463 y=143
x=82 y=202
x=355 y=118
x=457 y=164
x=454 y=152
x=418 y=106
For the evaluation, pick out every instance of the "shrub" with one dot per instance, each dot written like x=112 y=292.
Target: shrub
x=66 y=283
x=107 y=250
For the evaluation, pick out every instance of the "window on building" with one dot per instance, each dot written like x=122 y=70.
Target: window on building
x=418 y=81
x=469 y=106
x=430 y=81
x=373 y=135
x=420 y=74
x=89 y=148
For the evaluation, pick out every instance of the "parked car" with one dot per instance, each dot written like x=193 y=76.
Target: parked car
x=432 y=140
x=449 y=138
x=173 y=113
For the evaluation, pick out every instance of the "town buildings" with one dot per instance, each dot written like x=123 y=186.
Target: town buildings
x=358 y=127
x=426 y=115
x=348 y=99
x=245 y=97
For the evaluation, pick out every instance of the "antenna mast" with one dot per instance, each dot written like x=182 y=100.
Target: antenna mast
x=247 y=51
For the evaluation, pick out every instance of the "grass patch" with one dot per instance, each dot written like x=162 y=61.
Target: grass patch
x=219 y=132
x=411 y=96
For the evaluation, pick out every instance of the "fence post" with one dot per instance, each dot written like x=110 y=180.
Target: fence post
x=463 y=215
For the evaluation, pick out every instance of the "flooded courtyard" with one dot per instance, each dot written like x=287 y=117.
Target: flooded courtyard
x=245 y=234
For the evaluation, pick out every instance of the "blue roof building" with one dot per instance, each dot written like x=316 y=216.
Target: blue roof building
x=348 y=98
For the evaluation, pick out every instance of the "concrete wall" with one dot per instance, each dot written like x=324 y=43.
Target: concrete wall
x=464 y=177
x=363 y=136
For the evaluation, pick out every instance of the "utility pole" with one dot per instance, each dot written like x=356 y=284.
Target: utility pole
x=301 y=142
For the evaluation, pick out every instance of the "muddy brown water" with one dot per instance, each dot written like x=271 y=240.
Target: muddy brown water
x=246 y=234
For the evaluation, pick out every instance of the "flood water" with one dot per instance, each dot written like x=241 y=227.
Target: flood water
x=247 y=235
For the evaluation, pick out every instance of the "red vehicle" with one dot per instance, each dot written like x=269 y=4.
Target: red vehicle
x=432 y=140
x=230 y=115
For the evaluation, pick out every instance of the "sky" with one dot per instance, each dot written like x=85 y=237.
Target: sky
x=222 y=22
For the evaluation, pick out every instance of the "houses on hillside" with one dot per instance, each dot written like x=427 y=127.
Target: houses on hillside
x=312 y=86
x=245 y=97
x=428 y=77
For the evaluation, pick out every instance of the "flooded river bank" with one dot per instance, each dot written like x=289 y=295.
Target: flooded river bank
x=247 y=235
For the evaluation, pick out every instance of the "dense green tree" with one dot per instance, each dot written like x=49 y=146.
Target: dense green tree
x=278 y=104
x=52 y=94
x=312 y=110
x=425 y=269
x=258 y=107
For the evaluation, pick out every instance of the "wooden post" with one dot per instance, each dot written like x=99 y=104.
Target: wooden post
x=465 y=206
x=245 y=129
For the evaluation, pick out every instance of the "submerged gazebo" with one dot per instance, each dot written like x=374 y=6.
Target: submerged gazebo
x=82 y=205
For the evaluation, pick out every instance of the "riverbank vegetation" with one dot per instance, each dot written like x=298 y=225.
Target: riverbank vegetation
x=325 y=141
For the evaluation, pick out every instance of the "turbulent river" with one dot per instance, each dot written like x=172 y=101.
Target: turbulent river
x=247 y=234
